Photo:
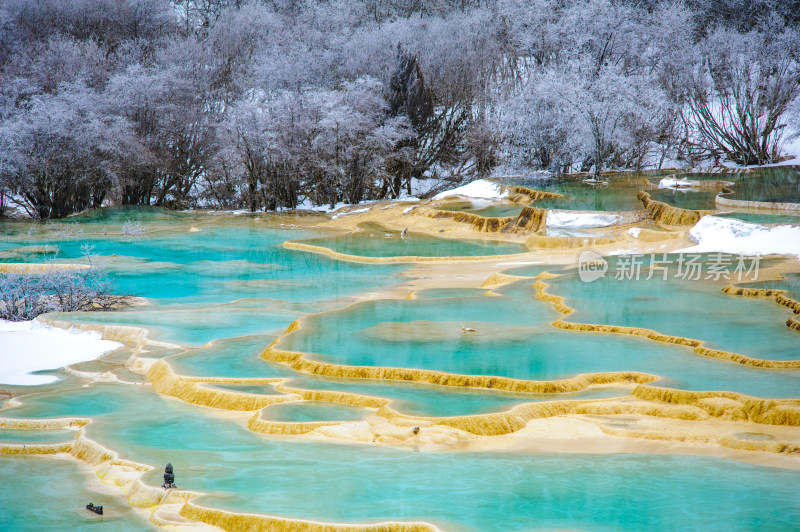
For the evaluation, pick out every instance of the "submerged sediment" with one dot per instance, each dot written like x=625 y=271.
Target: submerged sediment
x=310 y=248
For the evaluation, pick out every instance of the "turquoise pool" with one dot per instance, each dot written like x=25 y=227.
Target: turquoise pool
x=514 y=337
x=224 y=292
x=242 y=471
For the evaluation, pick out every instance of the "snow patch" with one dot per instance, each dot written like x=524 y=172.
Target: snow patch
x=29 y=346
x=635 y=231
x=580 y=220
x=728 y=235
x=668 y=182
x=480 y=189
x=356 y=211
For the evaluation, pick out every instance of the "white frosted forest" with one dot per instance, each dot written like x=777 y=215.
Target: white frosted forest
x=275 y=104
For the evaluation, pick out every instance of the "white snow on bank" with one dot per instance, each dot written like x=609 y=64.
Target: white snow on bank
x=635 y=231
x=573 y=220
x=728 y=235
x=356 y=211
x=29 y=346
x=479 y=189
x=668 y=182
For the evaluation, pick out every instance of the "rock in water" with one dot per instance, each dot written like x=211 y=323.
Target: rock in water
x=169 y=477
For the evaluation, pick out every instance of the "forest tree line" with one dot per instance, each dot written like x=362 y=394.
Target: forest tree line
x=270 y=104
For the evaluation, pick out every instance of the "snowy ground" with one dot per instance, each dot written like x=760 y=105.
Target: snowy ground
x=29 y=346
x=478 y=189
x=728 y=235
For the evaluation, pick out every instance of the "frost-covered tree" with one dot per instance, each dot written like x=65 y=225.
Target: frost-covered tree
x=266 y=104
x=60 y=153
x=326 y=145
x=740 y=92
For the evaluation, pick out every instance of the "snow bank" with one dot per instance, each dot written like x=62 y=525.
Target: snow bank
x=480 y=189
x=356 y=211
x=635 y=231
x=580 y=220
x=668 y=182
x=29 y=346
x=728 y=235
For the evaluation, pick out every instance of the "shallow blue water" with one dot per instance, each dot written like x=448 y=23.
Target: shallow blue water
x=514 y=338
x=50 y=495
x=306 y=411
x=196 y=325
x=226 y=260
x=459 y=491
x=686 y=199
x=240 y=357
x=751 y=326
x=35 y=436
x=194 y=277
x=763 y=218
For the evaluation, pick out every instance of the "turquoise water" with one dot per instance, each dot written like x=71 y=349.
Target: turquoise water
x=460 y=491
x=229 y=259
x=196 y=325
x=237 y=357
x=264 y=389
x=376 y=241
x=438 y=293
x=763 y=218
x=790 y=282
x=96 y=400
x=35 y=436
x=240 y=357
x=45 y=494
x=514 y=338
x=306 y=411
x=497 y=211
x=751 y=326
x=780 y=184
x=233 y=285
x=686 y=199
x=430 y=400
x=618 y=195
x=512 y=492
